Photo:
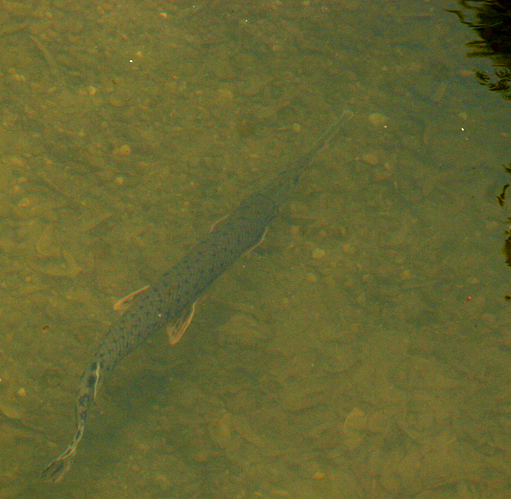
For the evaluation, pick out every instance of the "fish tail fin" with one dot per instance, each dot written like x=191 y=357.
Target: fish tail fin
x=56 y=470
x=91 y=380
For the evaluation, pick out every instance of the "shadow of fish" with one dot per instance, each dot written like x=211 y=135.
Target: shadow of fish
x=170 y=300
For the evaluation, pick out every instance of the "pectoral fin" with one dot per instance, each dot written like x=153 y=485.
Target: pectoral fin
x=258 y=242
x=217 y=223
x=123 y=303
x=180 y=325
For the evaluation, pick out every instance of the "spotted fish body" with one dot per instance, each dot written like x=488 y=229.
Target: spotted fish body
x=169 y=301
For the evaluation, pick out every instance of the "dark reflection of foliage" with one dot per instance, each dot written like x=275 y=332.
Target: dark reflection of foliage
x=491 y=20
x=502 y=196
x=507 y=242
x=502 y=85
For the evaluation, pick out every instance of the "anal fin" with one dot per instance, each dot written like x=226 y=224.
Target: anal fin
x=176 y=329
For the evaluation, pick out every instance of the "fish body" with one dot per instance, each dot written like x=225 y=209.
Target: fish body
x=170 y=300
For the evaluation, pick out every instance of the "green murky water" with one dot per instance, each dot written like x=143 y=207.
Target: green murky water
x=362 y=351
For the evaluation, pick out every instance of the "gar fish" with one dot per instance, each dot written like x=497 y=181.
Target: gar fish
x=170 y=300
